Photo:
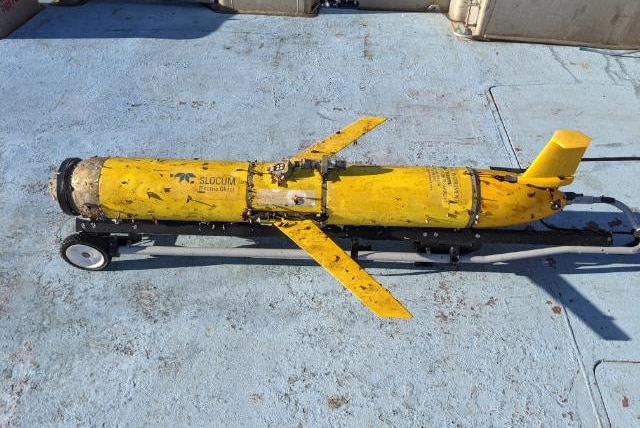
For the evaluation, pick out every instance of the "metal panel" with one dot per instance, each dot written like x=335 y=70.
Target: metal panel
x=270 y=7
x=619 y=385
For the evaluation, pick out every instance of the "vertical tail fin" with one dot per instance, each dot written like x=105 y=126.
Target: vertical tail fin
x=556 y=164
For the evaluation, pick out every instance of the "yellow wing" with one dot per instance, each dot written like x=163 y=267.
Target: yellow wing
x=330 y=256
x=557 y=162
x=341 y=139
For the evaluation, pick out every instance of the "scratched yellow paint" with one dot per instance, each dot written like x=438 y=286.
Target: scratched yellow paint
x=341 y=139
x=194 y=190
x=400 y=196
x=330 y=256
x=505 y=204
x=189 y=190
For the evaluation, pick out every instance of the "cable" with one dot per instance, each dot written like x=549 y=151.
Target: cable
x=575 y=229
x=612 y=159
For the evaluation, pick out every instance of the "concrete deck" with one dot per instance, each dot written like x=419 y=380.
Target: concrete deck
x=183 y=342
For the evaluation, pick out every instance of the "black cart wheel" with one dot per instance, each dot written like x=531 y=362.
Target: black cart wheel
x=86 y=252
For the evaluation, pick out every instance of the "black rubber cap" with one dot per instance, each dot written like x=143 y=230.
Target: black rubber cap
x=64 y=190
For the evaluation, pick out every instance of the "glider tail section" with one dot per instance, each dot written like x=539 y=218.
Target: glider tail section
x=556 y=164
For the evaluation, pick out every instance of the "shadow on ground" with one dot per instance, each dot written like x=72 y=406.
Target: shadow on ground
x=104 y=19
x=120 y=20
x=550 y=278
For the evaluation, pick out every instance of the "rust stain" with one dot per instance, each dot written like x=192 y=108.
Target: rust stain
x=625 y=401
x=557 y=310
x=337 y=401
x=442 y=316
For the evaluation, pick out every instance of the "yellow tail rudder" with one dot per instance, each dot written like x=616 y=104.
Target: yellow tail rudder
x=556 y=164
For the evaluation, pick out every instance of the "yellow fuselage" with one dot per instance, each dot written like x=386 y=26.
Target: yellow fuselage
x=229 y=191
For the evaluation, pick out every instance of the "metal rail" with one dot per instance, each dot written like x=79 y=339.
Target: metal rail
x=375 y=256
x=406 y=257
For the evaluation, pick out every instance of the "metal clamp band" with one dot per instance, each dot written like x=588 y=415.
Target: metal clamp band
x=475 y=198
x=250 y=173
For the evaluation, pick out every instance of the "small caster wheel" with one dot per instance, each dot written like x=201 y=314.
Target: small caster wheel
x=86 y=252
